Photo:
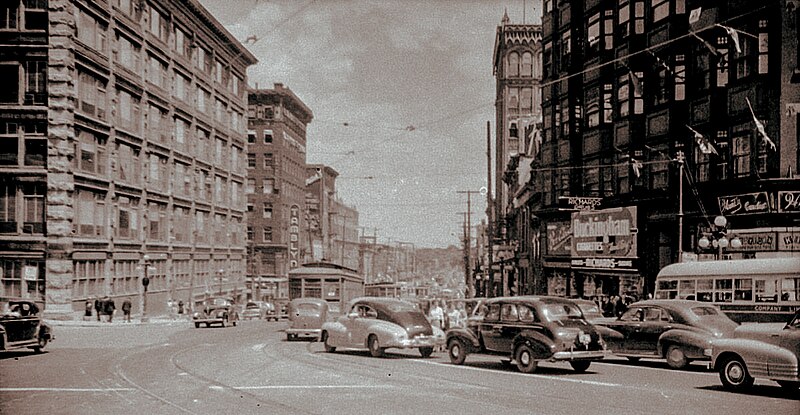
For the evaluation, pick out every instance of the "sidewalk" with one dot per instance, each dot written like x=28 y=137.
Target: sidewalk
x=119 y=321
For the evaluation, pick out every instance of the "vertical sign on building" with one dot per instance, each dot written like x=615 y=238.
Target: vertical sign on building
x=294 y=236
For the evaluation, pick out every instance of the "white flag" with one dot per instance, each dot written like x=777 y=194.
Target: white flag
x=694 y=15
x=760 y=127
x=734 y=37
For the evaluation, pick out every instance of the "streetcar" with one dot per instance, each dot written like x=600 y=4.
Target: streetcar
x=333 y=283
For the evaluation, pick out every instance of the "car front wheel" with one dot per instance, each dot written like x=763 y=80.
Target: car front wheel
x=375 y=349
x=580 y=366
x=733 y=374
x=328 y=347
x=456 y=351
x=525 y=361
x=676 y=358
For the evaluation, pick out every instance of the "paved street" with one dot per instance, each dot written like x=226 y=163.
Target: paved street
x=170 y=367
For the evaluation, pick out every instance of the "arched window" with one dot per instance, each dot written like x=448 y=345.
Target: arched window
x=513 y=64
x=527 y=68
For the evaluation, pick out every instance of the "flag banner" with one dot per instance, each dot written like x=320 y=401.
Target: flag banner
x=637 y=166
x=734 y=34
x=760 y=127
x=636 y=82
x=703 y=143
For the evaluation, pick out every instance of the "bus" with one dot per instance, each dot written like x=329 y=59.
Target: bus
x=332 y=282
x=747 y=290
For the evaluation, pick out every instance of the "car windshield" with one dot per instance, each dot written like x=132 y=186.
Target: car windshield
x=252 y=305
x=705 y=311
x=307 y=309
x=561 y=311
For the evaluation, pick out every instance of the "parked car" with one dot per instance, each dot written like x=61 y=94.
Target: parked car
x=768 y=350
x=306 y=316
x=676 y=330
x=21 y=326
x=259 y=310
x=527 y=330
x=218 y=310
x=379 y=323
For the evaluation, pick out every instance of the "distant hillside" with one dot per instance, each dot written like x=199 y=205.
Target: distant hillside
x=445 y=265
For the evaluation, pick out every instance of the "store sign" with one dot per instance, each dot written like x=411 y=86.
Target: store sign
x=789 y=202
x=602 y=263
x=744 y=204
x=559 y=238
x=294 y=236
x=755 y=242
x=579 y=203
x=788 y=241
x=604 y=233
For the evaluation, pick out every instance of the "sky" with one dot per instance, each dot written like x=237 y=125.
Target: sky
x=401 y=92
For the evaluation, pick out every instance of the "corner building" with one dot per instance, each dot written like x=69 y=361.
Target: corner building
x=625 y=83
x=276 y=188
x=123 y=143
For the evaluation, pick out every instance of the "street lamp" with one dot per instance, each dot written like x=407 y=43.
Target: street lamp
x=145 y=282
x=719 y=238
x=220 y=272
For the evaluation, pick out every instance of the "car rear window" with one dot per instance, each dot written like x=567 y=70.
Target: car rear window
x=561 y=311
x=307 y=309
x=705 y=311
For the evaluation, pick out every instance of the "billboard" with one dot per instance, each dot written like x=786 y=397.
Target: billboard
x=607 y=233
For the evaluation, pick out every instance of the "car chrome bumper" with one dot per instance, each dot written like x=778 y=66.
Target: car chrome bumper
x=580 y=355
x=304 y=332
x=427 y=341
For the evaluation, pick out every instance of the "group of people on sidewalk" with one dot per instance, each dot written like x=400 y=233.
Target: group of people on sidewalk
x=445 y=316
x=105 y=308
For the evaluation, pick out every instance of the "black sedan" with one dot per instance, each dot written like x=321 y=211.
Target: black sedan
x=677 y=330
x=21 y=326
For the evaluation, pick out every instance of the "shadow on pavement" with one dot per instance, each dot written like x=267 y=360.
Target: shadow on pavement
x=768 y=391
x=16 y=354
x=659 y=364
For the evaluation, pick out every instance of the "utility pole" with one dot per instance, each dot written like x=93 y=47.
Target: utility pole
x=680 y=159
x=469 y=282
x=489 y=291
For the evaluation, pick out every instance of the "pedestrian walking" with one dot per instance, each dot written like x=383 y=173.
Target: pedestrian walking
x=181 y=308
x=109 y=308
x=98 y=307
x=436 y=317
x=126 y=309
x=87 y=314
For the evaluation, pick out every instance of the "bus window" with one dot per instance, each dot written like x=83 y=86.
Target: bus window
x=686 y=289
x=789 y=289
x=743 y=289
x=723 y=290
x=705 y=289
x=667 y=289
x=766 y=290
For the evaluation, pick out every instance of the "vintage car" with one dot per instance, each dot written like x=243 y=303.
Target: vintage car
x=21 y=326
x=676 y=330
x=380 y=323
x=259 y=310
x=306 y=316
x=527 y=330
x=768 y=350
x=218 y=310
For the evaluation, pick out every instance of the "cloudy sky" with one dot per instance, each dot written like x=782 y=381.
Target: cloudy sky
x=401 y=91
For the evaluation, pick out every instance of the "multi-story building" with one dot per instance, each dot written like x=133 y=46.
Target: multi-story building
x=333 y=225
x=122 y=152
x=657 y=117
x=517 y=69
x=276 y=188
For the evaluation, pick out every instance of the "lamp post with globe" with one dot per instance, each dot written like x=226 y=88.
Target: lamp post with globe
x=720 y=237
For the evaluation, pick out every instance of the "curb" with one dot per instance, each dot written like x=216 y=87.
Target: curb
x=94 y=323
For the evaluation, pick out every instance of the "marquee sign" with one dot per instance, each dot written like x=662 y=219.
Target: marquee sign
x=609 y=233
x=294 y=236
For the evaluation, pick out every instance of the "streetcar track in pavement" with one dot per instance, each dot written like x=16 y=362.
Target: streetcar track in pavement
x=212 y=384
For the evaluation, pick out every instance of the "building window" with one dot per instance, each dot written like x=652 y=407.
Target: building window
x=128 y=111
x=566 y=50
x=159 y=25
x=91 y=94
x=547 y=60
x=8 y=209
x=251 y=137
x=702 y=163
x=157 y=223
x=250 y=234
x=623 y=181
x=659 y=169
x=128 y=54
x=608 y=104
x=591 y=180
x=90 y=214
x=89 y=31
x=565 y=118
x=660 y=9
x=702 y=68
x=740 y=150
x=638 y=17
x=267 y=211
x=269 y=161
x=513 y=64
x=157 y=173
x=157 y=72
x=763 y=47
x=593 y=36
x=127 y=226
x=608 y=29
x=201 y=231
x=251 y=161
x=267 y=236
x=181 y=87
x=250 y=186
x=623 y=95
x=623 y=18
x=35 y=83
x=9 y=15
x=592 y=101
x=269 y=186
x=90 y=153
x=527 y=65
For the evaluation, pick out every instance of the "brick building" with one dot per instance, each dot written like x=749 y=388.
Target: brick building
x=122 y=152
